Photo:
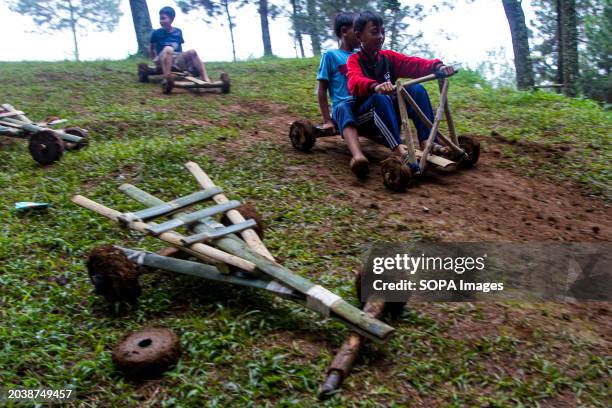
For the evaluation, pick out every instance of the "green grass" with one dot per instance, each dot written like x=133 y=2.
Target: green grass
x=243 y=348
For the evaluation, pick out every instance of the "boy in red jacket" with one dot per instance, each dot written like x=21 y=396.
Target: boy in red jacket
x=371 y=75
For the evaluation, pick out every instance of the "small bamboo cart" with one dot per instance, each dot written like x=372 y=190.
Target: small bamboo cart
x=182 y=79
x=465 y=150
x=227 y=257
x=46 y=145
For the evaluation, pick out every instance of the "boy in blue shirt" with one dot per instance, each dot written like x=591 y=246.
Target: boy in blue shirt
x=167 y=51
x=332 y=77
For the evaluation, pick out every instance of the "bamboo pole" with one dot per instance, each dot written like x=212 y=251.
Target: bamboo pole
x=172 y=238
x=249 y=235
x=219 y=232
x=428 y=123
x=21 y=117
x=449 y=118
x=11 y=113
x=170 y=207
x=318 y=298
x=426 y=78
x=204 y=271
x=436 y=125
x=406 y=132
x=191 y=218
x=344 y=360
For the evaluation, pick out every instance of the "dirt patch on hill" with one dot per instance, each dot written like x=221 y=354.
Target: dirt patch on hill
x=488 y=202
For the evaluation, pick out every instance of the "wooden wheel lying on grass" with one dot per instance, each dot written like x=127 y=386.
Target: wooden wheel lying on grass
x=147 y=354
x=46 y=147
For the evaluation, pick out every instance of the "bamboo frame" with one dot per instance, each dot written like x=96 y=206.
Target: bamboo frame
x=236 y=252
x=32 y=128
x=436 y=124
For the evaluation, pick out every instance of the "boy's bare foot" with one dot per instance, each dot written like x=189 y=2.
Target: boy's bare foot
x=360 y=167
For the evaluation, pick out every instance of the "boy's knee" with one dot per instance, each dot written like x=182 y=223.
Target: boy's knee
x=167 y=50
x=191 y=53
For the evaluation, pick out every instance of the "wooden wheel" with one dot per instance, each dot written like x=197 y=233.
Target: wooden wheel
x=113 y=275
x=148 y=353
x=226 y=83
x=46 y=147
x=77 y=131
x=471 y=146
x=302 y=135
x=396 y=175
x=143 y=72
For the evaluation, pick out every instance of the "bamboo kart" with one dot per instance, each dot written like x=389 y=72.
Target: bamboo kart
x=46 y=145
x=465 y=150
x=227 y=257
x=182 y=79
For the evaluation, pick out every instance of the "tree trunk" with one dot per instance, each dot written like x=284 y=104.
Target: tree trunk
x=265 y=29
x=315 y=37
x=73 y=28
x=520 y=43
x=393 y=29
x=142 y=25
x=231 y=27
x=569 y=47
x=296 y=28
x=559 y=48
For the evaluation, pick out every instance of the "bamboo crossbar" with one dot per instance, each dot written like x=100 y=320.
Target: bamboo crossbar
x=170 y=207
x=219 y=232
x=193 y=217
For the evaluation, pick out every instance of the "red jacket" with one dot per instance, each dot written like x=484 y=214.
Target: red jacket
x=364 y=73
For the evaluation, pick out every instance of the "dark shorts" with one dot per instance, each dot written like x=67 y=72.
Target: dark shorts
x=180 y=63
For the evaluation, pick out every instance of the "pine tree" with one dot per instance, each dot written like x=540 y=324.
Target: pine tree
x=142 y=24
x=520 y=43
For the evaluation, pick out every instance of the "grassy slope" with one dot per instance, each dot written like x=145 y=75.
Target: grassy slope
x=239 y=346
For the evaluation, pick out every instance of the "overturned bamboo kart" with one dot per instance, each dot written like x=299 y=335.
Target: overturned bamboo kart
x=182 y=79
x=249 y=262
x=46 y=145
x=465 y=150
